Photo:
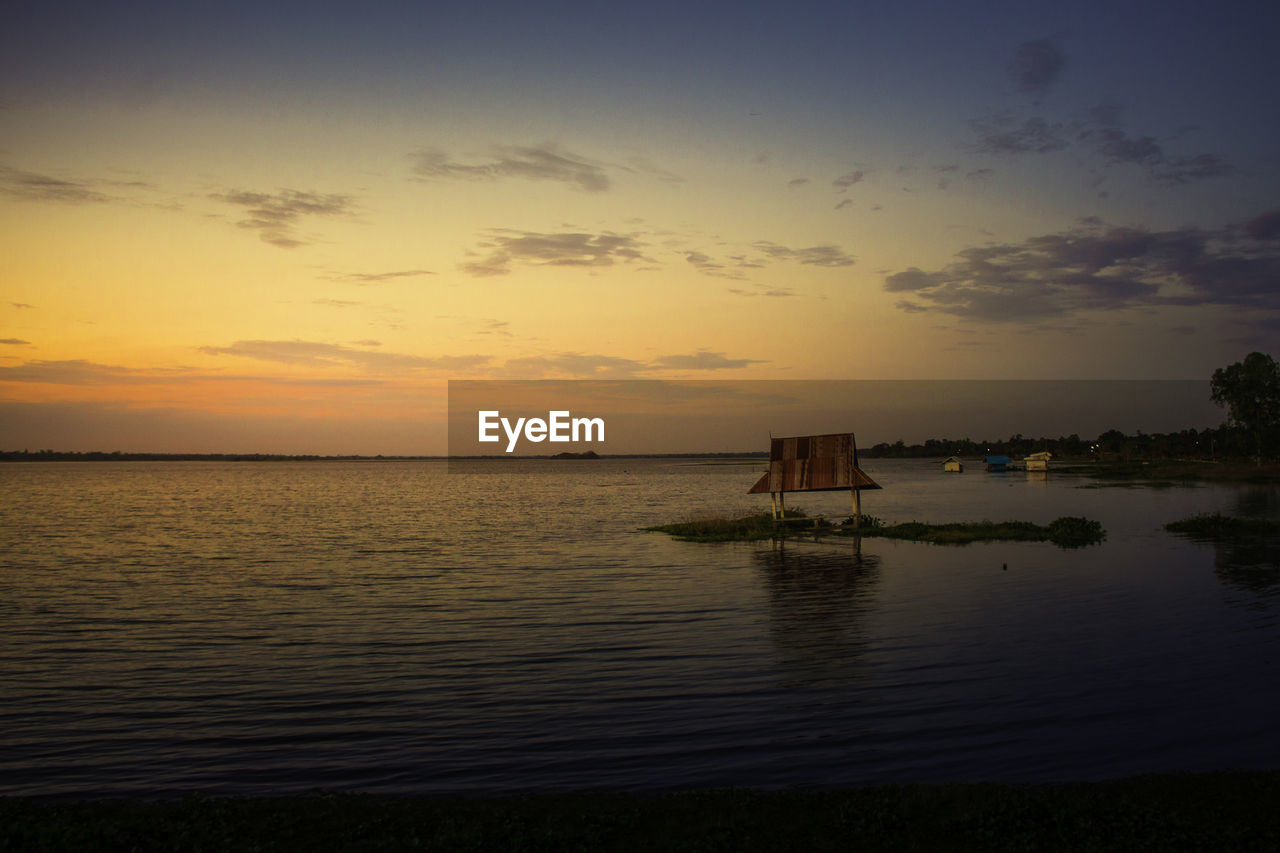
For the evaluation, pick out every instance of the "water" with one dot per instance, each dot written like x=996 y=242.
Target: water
x=260 y=628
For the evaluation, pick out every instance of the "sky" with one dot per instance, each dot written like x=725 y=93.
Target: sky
x=285 y=228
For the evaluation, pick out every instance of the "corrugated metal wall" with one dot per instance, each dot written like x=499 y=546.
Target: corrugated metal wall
x=810 y=463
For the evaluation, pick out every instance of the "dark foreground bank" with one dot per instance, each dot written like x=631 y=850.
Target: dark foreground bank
x=1216 y=811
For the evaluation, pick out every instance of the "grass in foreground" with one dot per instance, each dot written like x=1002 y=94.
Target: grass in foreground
x=1218 y=526
x=1213 y=811
x=1066 y=532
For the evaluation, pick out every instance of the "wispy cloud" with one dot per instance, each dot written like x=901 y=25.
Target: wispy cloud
x=594 y=366
x=760 y=290
x=82 y=372
x=1035 y=66
x=703 y=360
x=534 y=163
x=378 y=277
x=496 y=327
x=709 y=266
x=1116 y=147
x=319 y=354
x=1096 y=267
x=1004 y=135
x=819 y=256
x=275 y=215
x=16 y=342
x=32 y=186
x=573 y=364
x=79 y=372
x=21 y=305
x=562 y=249
x=848 y=179
x=645 y=167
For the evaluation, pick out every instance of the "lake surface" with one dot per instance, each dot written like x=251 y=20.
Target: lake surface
x=276 y=627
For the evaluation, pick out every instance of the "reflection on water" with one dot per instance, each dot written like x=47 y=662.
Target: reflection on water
x=259 y=628
x=818 y=598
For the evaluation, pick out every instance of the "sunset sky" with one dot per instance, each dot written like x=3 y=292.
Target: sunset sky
x=243 y=228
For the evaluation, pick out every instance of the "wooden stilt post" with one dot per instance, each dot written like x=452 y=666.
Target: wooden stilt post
x=856 y=493
x=782 y=505
x=773 y=499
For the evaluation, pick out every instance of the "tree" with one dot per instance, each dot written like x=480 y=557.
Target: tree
x=1250 y=392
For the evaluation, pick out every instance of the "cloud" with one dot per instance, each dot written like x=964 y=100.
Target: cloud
x=761 y=290
x=1006 y=135
x=594 y=366
x=644 y=166
x=1099 y=268
x=82 y=372
x=496 y=327
x=1035 y=66
x=21 y=305
x=378 y=277
x=706 y=264
x=562 y=249
x=1118 y=148
x=573 y=364
x=1002 y=135
x=274 y=216
x=1264 y=227
x=848 y=179
x=795 y=183
x=534 y=163
x=335 y=303
x=31 y=186
x=1186 y=169
x=703 y=360
x=16 y=342
x=819 y=256
x=318 y=354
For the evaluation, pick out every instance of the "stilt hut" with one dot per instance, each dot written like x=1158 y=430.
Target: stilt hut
x=814 y=463
x=1038 y=461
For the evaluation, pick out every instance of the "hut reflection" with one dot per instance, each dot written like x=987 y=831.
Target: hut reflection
x=819 y=595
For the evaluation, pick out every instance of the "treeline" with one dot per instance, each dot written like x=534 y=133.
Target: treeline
x=1225 y=442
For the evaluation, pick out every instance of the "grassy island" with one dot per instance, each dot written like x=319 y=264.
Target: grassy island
x=1066 y=532
x=1215 y=525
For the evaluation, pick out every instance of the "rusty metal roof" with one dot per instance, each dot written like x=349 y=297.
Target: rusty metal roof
x=813 y=463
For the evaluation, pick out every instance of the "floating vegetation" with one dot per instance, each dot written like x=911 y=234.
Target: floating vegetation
x=1065 y=532
x=749 y=528
x=1215 y=525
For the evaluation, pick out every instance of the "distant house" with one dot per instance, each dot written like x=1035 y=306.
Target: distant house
x=1038 y=461
x=998 y=463
x=953 y=464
